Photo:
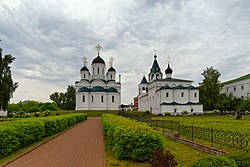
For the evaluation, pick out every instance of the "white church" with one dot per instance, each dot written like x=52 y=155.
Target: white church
x=98 y=89
x=161 y=94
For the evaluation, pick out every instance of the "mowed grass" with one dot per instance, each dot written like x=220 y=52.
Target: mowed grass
x=184 y=155
x=90 y=113
x=223 y=122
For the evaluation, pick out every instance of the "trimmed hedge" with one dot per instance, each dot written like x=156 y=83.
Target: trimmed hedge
x=242 y=159
x=214 y=161
x=131 y=139
x=18 y=134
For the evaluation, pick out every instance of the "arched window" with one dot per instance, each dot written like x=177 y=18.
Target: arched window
x=167 y=94
x=84 y=76
x=111 y=76
x=182 y=94
x=152 y=76
x=102 y=98
x=113 y=99
x=195 y=94
x=98 y=70
x=83 y=98
x=157 y=76
x=92 y=98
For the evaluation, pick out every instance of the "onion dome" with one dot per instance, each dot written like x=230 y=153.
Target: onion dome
x=84 y=68
x=168 y=70
x=98 y=59
x=111 y=69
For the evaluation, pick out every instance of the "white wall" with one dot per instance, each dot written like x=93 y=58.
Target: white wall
x=239 y=92
x=3 y=113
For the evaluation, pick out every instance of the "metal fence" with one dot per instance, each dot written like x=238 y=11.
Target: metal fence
x=229 y=139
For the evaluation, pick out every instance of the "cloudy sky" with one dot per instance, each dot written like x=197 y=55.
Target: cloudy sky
x=50 y=37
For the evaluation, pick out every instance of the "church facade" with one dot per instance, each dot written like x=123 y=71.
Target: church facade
x=98 y=89
x=161 y=94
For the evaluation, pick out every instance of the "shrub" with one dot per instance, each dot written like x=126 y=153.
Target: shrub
x=37 y=114
x=20 y=133
x=10 y=115
x=131 y=139
x=215 y=161
x=184 y=112
x=21 y=114
x=214 y=112
x=242 y=159
x=47 y=113
x=167 y=113
x=160 y=159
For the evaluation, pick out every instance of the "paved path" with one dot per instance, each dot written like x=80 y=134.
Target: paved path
x=82 y=146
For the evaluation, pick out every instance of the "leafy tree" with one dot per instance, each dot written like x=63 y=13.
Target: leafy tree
x=47 y=106
x=65 y=101
x=7 y=86
x=210 y=88
x=13 y=107
x=70 y=98
x=225 y=102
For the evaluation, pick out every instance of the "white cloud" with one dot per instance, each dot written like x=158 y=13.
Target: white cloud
x=49 y=38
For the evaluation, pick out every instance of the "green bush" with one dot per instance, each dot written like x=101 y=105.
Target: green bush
x=37 y=114
x=10 y=115
x=215 y=161
x=184 y=112
x=20 y=133
x=167 y=114
x=242 y=159
x=131 y=139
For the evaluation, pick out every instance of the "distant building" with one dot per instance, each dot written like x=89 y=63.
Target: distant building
x=3 y=113
x=159 y=95
x=239 y=87
x=129 y=107
x=98 y=90
x=136 y=103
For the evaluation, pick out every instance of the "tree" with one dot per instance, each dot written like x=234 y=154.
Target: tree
x=7 y=86
x=70 y=98
x=65 y=101
x=210 y=88
x=225 y=102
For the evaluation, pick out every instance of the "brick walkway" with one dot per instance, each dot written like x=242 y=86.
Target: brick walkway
x=82 y=146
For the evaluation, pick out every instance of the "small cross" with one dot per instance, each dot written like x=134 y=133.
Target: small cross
x=98 y=48
x=85 y=61
x=111 y=60
x=168 y=59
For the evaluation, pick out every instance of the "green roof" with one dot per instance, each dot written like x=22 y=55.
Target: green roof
x=237 y=79
x=98 y=89
x=155 y=67
x=144 y=80
x=177 y=87
x=175 y=103
x=175 y=80
x=84 y=89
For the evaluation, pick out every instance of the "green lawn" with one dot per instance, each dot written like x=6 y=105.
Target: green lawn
x=225 y=122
